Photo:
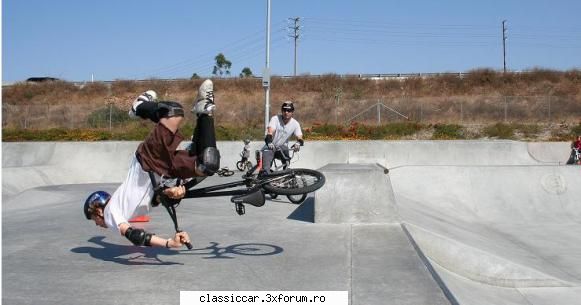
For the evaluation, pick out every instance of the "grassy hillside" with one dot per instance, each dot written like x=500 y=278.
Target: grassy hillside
x=328 y=106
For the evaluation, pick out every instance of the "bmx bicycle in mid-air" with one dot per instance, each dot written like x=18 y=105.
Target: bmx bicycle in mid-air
x=251 y=189
x=282 y=161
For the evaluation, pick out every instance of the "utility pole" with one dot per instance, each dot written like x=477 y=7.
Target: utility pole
x=266 y=73
x=504 y=45
x=338 y=93
x=295 y=35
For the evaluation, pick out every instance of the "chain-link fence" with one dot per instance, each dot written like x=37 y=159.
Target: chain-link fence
x=459 y=110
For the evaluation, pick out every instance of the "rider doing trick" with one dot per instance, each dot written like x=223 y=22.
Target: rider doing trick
x=156 y=157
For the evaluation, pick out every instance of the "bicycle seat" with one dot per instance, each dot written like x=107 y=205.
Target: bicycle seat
x=255 y=198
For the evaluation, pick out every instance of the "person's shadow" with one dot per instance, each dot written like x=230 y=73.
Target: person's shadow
x=125 y=254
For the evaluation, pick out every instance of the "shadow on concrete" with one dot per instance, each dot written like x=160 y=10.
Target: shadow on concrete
x=125 y=255
x=134 y=255
x=214 y=251
x=304 y=212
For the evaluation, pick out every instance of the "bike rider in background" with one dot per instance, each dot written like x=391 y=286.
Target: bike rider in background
x=245 y=154
x=156 y=158
x=280 y=128
x=576 y=144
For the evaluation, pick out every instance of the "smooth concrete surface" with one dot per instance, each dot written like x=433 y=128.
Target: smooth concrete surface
x=474 y=222
x=33 y=164
x=346 y=197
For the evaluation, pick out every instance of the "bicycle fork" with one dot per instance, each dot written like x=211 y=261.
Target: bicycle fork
x=172 y=213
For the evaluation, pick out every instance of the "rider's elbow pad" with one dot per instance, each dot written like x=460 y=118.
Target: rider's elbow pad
x=268 y=139
x=138 y=237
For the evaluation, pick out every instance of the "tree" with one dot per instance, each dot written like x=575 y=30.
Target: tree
x=195 y=76
x=246 y=72
x=222 y=65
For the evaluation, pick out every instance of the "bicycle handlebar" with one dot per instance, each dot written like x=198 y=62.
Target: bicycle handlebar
x=188 y=244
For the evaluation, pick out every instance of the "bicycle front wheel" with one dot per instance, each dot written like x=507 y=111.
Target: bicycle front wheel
x=240 y=166
x=296 y=181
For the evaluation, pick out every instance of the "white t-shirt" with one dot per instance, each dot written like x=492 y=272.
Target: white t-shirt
x=282 y=132
x=131 y=199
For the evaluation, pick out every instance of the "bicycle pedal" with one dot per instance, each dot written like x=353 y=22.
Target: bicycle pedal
x=240 y=209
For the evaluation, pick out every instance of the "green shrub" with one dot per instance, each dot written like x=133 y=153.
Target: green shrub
x=101 y=117
x=224 y=133
x=400 y=129
x=448 y=132
x=528 y=130
x=576 y=130
x=499 y=130
x=327 y=129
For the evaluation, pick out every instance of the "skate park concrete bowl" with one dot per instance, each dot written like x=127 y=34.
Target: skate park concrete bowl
x=397 y=222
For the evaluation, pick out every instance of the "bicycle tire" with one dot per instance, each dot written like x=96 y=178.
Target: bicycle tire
x=297 y=199
x=285 y=184
x=240 y=166
x=224 y=172
x=227 y=173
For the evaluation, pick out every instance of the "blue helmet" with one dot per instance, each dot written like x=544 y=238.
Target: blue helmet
x=96 y=199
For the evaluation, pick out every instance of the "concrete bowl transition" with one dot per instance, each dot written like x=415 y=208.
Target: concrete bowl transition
x=397 y=222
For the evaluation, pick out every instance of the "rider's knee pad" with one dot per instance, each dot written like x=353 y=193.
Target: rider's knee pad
x=211 y=159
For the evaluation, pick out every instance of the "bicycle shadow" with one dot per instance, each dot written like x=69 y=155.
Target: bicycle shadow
x=214 y=251
x=125 y=255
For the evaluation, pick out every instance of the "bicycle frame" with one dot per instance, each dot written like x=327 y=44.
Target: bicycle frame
x=212 y=191
x=287 y=159
x=252 y=184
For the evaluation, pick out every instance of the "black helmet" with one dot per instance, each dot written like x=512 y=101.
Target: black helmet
x=288 y=106
x=96 y=199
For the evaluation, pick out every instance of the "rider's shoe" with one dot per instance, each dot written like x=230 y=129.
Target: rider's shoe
x=205 y=99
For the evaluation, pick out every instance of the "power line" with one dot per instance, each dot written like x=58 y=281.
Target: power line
x=236 y=46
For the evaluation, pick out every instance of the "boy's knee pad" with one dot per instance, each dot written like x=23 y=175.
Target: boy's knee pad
x=211 y=159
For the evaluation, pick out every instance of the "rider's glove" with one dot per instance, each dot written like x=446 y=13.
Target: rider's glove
x=296 y=147
x=268 y=141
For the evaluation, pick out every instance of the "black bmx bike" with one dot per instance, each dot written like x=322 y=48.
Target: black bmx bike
x=251 y=189
x=282 y=161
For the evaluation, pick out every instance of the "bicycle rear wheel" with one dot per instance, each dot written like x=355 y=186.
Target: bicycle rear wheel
x=297 y=199
x=295 y=181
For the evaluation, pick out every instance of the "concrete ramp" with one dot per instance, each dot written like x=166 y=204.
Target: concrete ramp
x=355 y=193
x=453 y=222
x=506 y=230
